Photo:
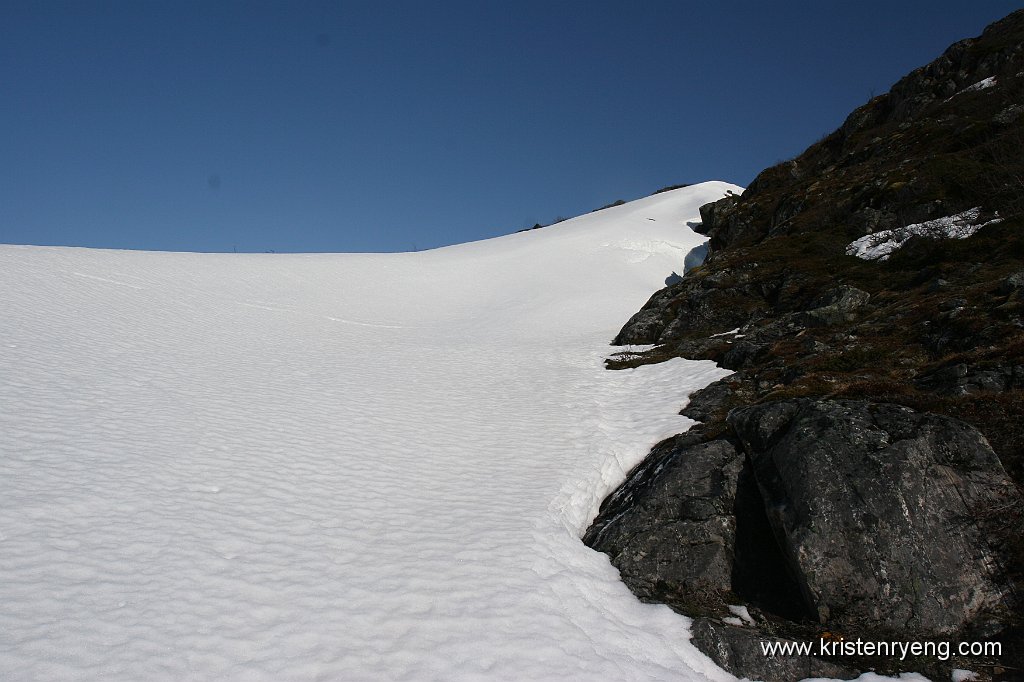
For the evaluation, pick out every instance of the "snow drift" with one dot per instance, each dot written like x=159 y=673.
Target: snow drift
x=360 y=467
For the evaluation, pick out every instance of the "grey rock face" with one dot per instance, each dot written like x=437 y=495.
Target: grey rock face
x=711 y=214
x=1012 y=284
x=961 y=379
x=670 y=527
x=835 y=307
x=738 y=650
x=871 y=518
x=880 y=511
x=724 y=226
x=707 y=401
x=872 y=220
x=680 y=308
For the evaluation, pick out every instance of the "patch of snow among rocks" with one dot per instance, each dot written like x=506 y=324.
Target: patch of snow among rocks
x=742 y=613
x=983 y=84
x=880 y=245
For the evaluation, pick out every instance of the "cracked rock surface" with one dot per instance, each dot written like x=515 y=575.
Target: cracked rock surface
x=682 y=539
x=883 y=513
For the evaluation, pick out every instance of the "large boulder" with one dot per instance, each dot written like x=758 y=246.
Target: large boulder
x=884 y=514
x=670 y=528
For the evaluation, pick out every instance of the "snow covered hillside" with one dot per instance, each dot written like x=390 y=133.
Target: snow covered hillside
x=356 y=467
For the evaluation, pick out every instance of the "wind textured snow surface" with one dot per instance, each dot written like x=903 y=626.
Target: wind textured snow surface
x=356 y=467
x=882 y=244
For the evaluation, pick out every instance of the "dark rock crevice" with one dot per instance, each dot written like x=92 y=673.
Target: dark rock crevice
x=761 y=575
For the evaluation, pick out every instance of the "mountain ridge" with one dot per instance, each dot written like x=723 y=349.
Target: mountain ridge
x=936 y=328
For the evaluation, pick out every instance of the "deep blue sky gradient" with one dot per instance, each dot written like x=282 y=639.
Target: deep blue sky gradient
x=393 y=126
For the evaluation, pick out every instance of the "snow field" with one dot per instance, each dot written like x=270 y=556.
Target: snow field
x=355 y=467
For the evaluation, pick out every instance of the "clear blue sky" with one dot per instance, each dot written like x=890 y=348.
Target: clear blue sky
x=389 y=126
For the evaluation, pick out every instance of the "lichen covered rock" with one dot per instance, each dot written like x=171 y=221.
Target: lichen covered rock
x=882 y=512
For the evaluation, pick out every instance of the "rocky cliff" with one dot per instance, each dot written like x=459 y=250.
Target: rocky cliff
x=859 y=475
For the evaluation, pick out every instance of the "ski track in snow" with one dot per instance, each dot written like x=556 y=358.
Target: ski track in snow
x=203 y=475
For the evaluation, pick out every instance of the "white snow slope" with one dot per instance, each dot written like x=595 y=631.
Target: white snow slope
x=334 y=467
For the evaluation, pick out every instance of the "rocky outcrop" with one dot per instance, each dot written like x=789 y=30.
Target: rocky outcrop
x=725 y=223
x=868 y=519
x=671 y=532
x=868 y=477
x=883 y=513
x=721 y=302
x=961 y=379
x=883 y=167
x=738 y=648
x=837 y=306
